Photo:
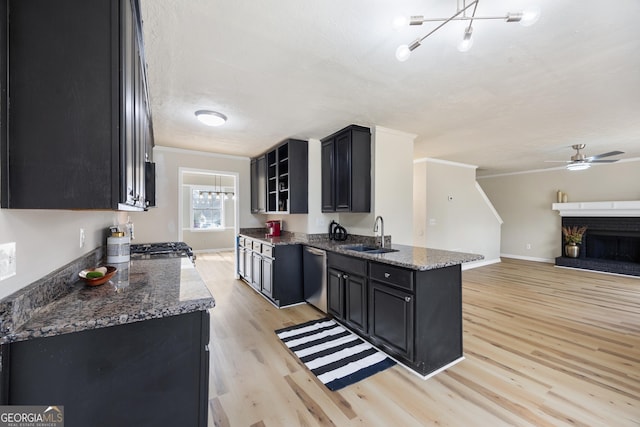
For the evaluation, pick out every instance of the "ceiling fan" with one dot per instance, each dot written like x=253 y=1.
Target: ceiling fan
x=579 y=161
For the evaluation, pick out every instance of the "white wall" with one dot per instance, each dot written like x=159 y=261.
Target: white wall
x=161 y=223
x=393 y=183
x=48 y=239
x=452 y=212
x=524 y=202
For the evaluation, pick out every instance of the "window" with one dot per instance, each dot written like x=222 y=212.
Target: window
x=207 y=209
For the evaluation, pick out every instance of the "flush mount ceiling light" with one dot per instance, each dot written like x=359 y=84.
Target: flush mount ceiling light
x=211 y=118
x=525 y=18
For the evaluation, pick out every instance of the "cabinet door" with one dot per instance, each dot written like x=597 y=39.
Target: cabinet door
x=335 y=293
x=391 y=318
x=343 y=172
x=262 y=183
x=256 y=276
x=267 y=277
x=356 y=301
x=254 y=185
x=248 y=265
x=241 y=261
x=328 y=181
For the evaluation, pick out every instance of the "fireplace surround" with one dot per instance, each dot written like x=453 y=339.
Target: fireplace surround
x=610 y=244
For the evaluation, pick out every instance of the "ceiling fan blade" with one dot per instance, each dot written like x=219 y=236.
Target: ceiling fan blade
x=603 y=161
x=558 y=161
x=599 y=156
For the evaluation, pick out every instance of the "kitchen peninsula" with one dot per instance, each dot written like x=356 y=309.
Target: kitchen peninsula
x=133 y=345
x=407 y=301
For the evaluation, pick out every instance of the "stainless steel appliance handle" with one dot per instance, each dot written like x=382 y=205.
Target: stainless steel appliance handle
x=315 y=251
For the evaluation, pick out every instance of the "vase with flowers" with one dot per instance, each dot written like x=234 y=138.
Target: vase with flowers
x=573 y=240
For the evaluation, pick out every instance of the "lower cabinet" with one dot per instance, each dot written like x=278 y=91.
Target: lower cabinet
x=415 y=316
x=267 y=276
x=273 y=270
x=152 y=372
x=335 y=293
x=256 y=277
x=391 y=318
x=347 y=290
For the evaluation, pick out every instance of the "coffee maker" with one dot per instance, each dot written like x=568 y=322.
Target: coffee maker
x=273 y=228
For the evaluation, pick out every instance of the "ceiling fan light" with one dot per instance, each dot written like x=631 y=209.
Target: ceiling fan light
x=211 y=118
x=579 y=166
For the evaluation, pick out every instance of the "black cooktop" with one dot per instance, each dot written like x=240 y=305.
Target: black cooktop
x=162 y=250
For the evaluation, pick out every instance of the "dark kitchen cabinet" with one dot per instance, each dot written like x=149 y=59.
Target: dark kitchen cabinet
x=346 y=170
x=152 y=372
x=276 y=270
x=286 y=184
x=347 y=290
x=415 y=316
x=335 y=293
x=258 y=185
x=267 y=276
x=76 y=122
x=391 y=318
x=256 y=278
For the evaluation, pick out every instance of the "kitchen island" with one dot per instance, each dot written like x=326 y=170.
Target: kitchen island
x=408 y=301
x=130 y=352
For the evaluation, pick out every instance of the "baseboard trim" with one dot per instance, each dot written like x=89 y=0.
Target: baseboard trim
x=529 y=258
x=481 y=263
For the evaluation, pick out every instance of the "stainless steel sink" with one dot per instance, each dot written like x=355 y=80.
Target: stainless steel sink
x=368 y=249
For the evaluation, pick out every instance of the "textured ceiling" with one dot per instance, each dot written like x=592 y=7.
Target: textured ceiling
x=304 y=69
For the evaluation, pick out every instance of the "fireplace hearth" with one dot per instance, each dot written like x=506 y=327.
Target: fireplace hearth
x=610 y=244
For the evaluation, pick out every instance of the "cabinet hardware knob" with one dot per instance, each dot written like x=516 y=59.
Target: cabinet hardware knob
x=344 y=276
x=407 y=299
x=387 y=275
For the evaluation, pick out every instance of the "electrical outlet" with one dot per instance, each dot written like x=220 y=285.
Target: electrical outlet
x=82 y=237
x=7 y=260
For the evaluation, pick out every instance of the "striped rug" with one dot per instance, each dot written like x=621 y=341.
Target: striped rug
x=336 y=356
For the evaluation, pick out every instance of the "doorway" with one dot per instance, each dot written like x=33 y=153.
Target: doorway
x=208 y=213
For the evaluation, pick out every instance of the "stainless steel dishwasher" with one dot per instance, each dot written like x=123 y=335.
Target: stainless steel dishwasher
x=314 y=262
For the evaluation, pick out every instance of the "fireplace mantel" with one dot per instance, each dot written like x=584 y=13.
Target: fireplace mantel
x=605 y=209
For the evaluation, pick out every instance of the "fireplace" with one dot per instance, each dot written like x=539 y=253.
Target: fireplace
x=610 y=244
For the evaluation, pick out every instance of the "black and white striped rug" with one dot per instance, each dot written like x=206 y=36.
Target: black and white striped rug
x=336 y=356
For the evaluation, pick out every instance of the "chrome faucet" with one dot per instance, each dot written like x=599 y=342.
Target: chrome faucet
x=375 y=229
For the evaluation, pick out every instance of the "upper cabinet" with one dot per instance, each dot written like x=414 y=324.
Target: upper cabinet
x=76 y=123
x=346 y=170
x=287 y=179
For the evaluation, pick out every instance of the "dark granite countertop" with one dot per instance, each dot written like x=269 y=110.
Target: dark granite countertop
x=147 y=289
x=412 y=257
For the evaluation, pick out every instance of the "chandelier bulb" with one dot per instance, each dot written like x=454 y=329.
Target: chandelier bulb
x=399 y=23
x=530 y=16
x=403 y=53
x=467 y=41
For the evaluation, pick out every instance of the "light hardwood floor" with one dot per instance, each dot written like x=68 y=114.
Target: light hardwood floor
x=543 y=346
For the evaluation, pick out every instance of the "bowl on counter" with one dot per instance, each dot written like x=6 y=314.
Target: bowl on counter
x=95 y=281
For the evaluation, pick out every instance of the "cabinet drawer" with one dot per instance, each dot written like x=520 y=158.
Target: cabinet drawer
x=347 y=263
x=397 y=276
x=256 y=246
x=267 y=250
x=241 y=242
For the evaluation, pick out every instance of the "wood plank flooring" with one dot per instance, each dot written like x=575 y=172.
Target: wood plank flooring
x=543 y=346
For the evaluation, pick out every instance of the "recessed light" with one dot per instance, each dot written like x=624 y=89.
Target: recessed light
x=211 y=118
